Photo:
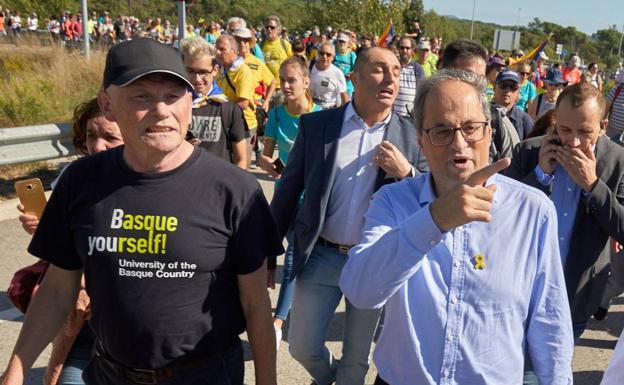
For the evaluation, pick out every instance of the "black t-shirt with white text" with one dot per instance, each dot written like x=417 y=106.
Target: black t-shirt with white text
x=161 y=252
x=217 y=125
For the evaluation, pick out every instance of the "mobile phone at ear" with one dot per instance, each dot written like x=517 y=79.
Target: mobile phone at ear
x=31 y=196
x=279 y=165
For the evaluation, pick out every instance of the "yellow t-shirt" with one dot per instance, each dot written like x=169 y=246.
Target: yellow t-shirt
x=312 y=54
x=261 y=74
x=243 y=81
x=274 y=56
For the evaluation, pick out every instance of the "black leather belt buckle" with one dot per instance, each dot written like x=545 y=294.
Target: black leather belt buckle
x=141 y=376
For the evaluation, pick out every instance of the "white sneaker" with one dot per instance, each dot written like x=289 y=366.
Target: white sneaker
x=278 y=336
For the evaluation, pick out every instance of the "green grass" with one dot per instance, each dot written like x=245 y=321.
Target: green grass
x=44 y=84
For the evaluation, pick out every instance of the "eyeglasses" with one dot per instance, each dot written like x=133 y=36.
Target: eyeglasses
x=270 y=27
x=403 y=48
x=508 y=86
x=443 y=136
x=328 y=54
x=525 y=73
x=242 y=40
x=201 y=73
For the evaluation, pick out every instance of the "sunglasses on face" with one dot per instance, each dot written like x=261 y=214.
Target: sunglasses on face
x=509 y=87
x=270 y=27
x=328 y=54
x=405 y=48
x=241 y=40
x=525 y=73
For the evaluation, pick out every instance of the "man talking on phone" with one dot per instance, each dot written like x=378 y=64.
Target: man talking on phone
x=582 y=172
x=172 y=241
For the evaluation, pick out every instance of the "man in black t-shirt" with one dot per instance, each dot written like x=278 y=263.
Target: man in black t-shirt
x=218 y=125
x=171 y=239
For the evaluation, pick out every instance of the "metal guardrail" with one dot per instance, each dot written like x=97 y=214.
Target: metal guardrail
x=34 y=143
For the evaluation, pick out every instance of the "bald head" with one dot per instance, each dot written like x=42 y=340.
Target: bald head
x=367 y=56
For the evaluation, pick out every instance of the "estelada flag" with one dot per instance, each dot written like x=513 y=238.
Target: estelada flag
x=533 y=54
x=386 y=37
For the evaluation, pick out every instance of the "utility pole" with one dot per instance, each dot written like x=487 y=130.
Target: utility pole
x=621 y=39
x=181 y=19
x=474 y=5
x=86 y=34
x=513 y=43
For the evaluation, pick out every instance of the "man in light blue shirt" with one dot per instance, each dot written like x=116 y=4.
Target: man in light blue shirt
x=466 y=261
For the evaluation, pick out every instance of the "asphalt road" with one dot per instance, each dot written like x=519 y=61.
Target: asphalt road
x=590 y=359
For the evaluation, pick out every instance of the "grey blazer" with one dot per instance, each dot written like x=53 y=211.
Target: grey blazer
x=311 y=168
x=598 y=217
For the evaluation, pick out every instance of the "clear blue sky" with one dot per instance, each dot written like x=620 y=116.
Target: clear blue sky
x=586 y=15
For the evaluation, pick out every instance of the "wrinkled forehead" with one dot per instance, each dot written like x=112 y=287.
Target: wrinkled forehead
x=453 y=101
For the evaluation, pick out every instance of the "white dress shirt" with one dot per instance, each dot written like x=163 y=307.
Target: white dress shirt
x=354 y=181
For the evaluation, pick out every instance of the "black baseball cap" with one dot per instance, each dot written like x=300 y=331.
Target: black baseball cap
x=132 y=59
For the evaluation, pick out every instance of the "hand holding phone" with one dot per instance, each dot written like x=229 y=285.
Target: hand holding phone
x=279 y=165
x=31 y=196
x=547 y=153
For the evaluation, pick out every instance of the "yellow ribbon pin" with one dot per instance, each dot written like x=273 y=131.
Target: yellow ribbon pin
x=479 y=262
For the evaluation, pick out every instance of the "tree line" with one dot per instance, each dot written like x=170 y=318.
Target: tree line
x=363 y=16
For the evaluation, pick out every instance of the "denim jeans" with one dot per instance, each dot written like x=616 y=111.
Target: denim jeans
x=72 y=371
x=317 y=296
x=226 y=368
x=287 y=288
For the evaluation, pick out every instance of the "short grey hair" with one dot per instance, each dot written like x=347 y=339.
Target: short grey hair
x=275 y=18
x=328 y=44
x=239 y=20
x=478 y=83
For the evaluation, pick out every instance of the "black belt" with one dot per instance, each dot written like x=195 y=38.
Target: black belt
x=342 y=249
x=154 y=376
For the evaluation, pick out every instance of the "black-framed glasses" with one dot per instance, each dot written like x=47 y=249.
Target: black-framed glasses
x=443 y=135
x=201 y=73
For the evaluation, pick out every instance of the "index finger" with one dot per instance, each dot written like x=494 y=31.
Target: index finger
x=479 y=177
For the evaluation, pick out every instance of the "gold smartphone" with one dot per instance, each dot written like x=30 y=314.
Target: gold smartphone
x=31 y=196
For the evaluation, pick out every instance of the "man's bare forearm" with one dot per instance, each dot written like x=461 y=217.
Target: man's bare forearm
x=46 y=314
x=257 y=309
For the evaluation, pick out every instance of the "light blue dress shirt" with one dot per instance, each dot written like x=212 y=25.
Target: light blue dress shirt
x=447 y=320
x=354 y=181
x=565 y=195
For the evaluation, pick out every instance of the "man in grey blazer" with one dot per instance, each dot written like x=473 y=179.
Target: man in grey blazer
x=340 y=157
x=583 y=173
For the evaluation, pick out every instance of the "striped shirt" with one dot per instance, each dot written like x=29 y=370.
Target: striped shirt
x=404 y=103
x=616 y=118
